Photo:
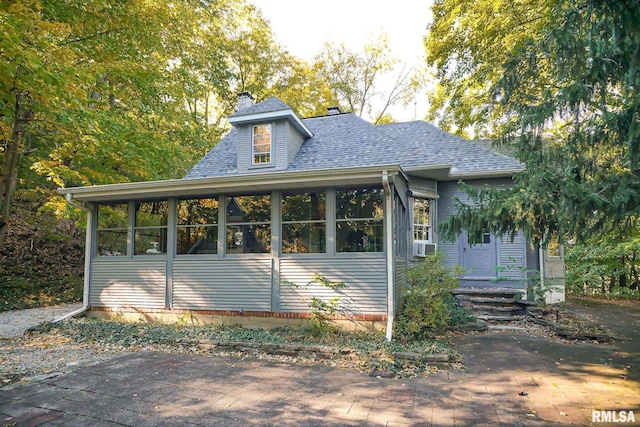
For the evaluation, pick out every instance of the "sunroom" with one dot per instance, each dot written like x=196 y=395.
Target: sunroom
x=232 y=248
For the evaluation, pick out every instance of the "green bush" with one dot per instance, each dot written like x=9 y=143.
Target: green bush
x=428 y=306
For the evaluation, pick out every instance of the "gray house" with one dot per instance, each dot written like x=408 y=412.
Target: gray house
x=281 y=198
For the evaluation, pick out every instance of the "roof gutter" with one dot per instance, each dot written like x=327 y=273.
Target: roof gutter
x=256 y=182
x=388 y=238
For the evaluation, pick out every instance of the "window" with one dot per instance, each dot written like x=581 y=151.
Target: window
x=359 y=220
x=197 y=226
x=113 y=223
x=150 y=232
x=248 y=224
x=421 y=222
x=261 y=144
x=303 y=223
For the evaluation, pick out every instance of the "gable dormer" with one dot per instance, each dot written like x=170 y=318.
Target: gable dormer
x=269 y=133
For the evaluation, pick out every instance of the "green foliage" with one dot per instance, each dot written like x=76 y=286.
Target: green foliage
x=428 y=307
x=322 y=307
x=576 y=131
x=604 y=268
x=468 y=44
x=42 y=257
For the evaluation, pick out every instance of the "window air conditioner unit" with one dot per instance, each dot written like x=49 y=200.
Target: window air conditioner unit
x=422 y=249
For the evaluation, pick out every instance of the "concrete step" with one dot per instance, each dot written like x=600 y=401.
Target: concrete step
x=488 y=292
x=507 y=328
x=498 y=308
x=490 y=300
x=491 y=318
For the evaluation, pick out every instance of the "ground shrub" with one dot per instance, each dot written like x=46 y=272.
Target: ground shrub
x=428 y=307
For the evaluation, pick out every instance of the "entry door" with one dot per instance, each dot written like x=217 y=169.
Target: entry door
x=479 y=260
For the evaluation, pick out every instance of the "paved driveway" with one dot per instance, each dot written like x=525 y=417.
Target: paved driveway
x=511 y=379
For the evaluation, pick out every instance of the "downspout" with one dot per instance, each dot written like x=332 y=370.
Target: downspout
x=388 y=219
x=87 y=261
x=541 y=259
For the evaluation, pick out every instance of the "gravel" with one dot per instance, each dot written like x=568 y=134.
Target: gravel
x=15 y=323
x=24 y=355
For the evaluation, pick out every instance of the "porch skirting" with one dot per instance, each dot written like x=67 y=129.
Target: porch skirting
x=249 y=319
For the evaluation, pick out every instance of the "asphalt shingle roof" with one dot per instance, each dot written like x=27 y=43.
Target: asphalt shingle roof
x=345 y=140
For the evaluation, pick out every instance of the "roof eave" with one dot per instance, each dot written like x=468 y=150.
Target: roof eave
x=505 y=173
x=273 y=115
x=194 y=187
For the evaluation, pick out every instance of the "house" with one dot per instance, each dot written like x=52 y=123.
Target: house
x=281 y=198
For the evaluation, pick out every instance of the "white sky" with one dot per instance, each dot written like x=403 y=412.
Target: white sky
x=302 y=27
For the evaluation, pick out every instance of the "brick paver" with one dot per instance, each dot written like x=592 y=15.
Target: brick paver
x=510 y=379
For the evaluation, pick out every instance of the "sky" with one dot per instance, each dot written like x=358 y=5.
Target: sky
x=302 y=27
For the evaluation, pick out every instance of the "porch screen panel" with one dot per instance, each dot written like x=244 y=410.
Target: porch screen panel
x=113 y=223
x=248 y=224
x=197 y=226
x=304 y=222
x=359 y=220
x=150 y=232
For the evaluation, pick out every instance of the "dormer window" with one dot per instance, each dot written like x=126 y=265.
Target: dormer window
x=261 y=144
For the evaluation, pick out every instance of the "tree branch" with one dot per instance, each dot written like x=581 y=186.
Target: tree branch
x=93 y=36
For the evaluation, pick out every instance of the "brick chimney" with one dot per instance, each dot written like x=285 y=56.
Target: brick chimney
x=245 y=100
x=334 y=111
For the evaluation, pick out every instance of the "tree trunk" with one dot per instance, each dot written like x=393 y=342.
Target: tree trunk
x=10 y=162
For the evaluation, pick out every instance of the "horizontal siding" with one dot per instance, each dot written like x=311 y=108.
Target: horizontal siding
x=244 y=147
x=364 y=276
x=279 y=150
x=510 y=254
x=448 y=191
x=225 y=284
x=512 y=258
x=401 y=280
x=128 y=283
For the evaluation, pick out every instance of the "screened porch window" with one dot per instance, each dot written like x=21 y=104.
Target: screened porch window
x=197 y=226
x=421 y=221
x=359 y=220
x=150 y=231
x=113 y=223
x=261 y=144
x=304 y=222
x=248 y=224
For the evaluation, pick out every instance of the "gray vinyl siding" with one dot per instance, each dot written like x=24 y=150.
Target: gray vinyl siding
x=280 y=149
x=510 y=254
x=295 y=142
x=448 y=191
x=400 y=281
x=222 y=284
x=244 y=147
x=128 y=283
x=533 y=260
x=365 y=277
x=512 y=258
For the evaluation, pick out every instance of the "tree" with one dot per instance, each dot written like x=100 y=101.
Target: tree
x=468 y=45
x=354 y=77
x=96 y=92
x=578 y=132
